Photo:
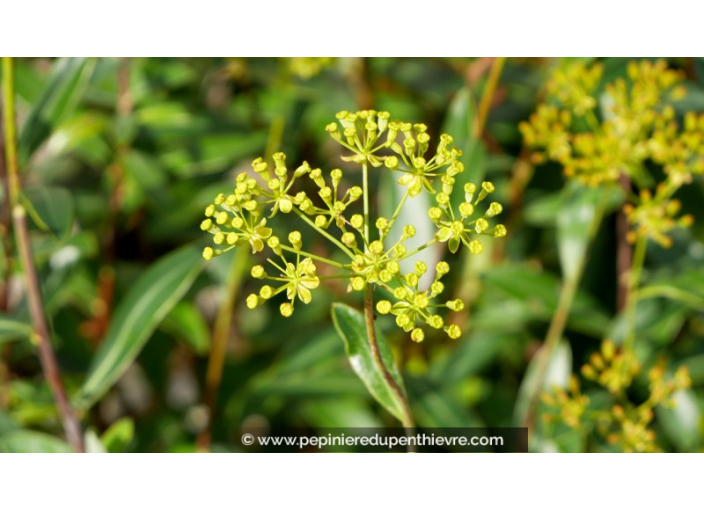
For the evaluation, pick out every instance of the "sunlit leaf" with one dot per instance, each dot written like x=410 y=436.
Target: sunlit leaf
x=351 y=326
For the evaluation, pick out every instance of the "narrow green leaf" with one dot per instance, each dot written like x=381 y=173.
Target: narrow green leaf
x=153 y=295
x=60 y=97
x=351 y=326
x=29 y=441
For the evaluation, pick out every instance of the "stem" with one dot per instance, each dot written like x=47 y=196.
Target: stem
x=559 y=319
x=407 y=421
x=221 y=333
x=5 y=229
x=314 y=257
x=331 y=238
x=633 y=281
x=624 y=251
x=46 y=353
x=488 y=94
x=398 y=210
x=365 y=188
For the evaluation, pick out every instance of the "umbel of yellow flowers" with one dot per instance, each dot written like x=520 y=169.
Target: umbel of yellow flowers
x=599 y=136
x=338 y=213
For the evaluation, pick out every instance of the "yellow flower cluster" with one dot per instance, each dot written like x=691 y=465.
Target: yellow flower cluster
x=599 y=137
x=373 y=140
x=308 y=67
x=624 y=424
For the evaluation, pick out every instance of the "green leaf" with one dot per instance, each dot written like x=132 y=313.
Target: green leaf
x=29 y=441
x=681 y=423
x=351 y=326
x=581 y=208
x=63 y=91
x=537 y=292
x=118 y=436
x=51 y=209
x=471 y=355
x=435 y=408
x=186 y=323
x=151 y=298
x=12 y=329
x=557 y=374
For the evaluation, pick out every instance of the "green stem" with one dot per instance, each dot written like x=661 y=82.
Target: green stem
x=407 y=421
x=365 y=189
x=221 y=333
x=314 y=257
x=420 y=248
x=321 y=231
x=488 y=94
x=398 y=210
x=559 y=318
x=633 y=282
x=47 y=358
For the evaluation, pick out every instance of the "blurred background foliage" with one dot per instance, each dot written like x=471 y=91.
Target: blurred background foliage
x=119 y=158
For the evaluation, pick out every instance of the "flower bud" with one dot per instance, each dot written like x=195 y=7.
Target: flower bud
x=454 y=331
x=442 y=268
x=383 y=307
x=252 y=301
x=358 y=283
x=476 y=247
x=466 y=209
x=436 y=321
x=494 y=210
x=417 y=335
x=286 y=309
x=295 y=239
x=391 y=162
x=348 y=238
x=357 y=221
x=376 y=247
x=266 y=292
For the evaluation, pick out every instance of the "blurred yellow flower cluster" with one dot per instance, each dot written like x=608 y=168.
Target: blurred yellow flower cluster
x=600 y=132
x=624 y=424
